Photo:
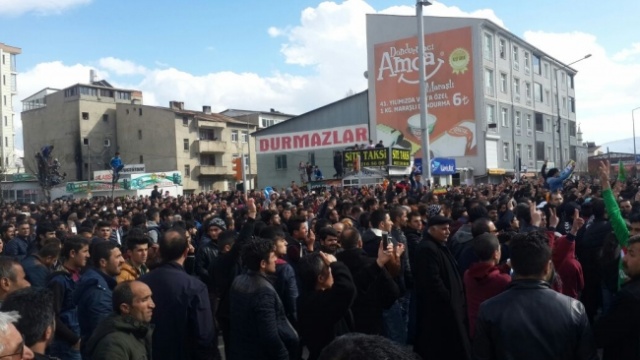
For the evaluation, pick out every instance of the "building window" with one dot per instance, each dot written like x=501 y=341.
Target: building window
x=545 y=68
x=106 y=92
x=5 y=100
x=516 y=58
x=185 y=144
x=548 y=153
x=85 y=141
x=572 y=129
x=245 y=136
x=268 y=122
x=539 y=123
x=505 y=151
x=547 y=95
x=234 y=135
x=516 y=86
x=85 y=116
x=488 y=81
x=528 y=121
x=537 y=90
x=491 y=114
x=141 y=159
x=564 y=105
x=563 y=79
x=185 y=121
x=503 y=50
x=105 y=117
x=517 y=119
x=518 y=152
x=527 y=89
x=572 y=107
x=488 y=46
x=139 y=134
x=570 y=80
x=537 y=68
x=504 y=116
x=529 y=152
x=6 y=141
x=540 y=150
x=107 y=142
x=139 y=111
x=548 y=121
x=187 y=170
x=6 y=121
x=555 y=101
x=503 y=82
x=281 y=162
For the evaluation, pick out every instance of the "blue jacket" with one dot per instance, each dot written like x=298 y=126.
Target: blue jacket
x=116 y=162
x=93 y=298
x=36 y=272
x=62 y=286
x=17 y=248
x=555 y=183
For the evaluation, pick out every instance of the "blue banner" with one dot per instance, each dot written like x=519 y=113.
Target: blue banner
x=443 y=166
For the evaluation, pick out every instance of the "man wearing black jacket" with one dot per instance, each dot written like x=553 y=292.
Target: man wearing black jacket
x=376 y=290
x=326 y=294
x=441 y=316
x=530 y=320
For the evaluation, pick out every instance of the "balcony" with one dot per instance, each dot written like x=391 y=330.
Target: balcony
x=211 y=124
x=209 y=170
x=211 y=146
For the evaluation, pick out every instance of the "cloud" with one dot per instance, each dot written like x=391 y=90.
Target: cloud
x=40 y=7
x=121 y=67
x=607 y=87
x=628 y=54
x=440 y=9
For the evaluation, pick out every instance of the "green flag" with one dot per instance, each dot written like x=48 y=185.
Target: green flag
x=622 y=172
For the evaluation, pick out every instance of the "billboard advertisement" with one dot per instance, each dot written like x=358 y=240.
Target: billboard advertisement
x=343 y=136
x=450 y=100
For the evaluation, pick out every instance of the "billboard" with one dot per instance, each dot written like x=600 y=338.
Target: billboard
x=107 y=175
x=450 y=98
x=354 y=159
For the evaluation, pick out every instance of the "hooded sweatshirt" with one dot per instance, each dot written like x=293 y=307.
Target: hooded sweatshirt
x=567 y=266
x=483 y=281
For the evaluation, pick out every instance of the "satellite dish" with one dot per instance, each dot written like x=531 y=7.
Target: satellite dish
x=366 y=74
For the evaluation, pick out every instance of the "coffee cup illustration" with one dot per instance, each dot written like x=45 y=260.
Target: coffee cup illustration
x=414 y=124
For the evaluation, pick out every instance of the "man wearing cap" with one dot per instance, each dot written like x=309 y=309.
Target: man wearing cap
x=441 y=309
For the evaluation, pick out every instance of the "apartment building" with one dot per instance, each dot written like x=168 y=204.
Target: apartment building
x=262 y=119
x=8 y=89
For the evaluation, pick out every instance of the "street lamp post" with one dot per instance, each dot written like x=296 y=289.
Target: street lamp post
x=426 y=160
x=635 y=155
x=559 y=121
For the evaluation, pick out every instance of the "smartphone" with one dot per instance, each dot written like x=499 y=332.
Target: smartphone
x=385 y=241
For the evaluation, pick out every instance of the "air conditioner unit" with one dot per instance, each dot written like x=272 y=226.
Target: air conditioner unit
x=529 y=132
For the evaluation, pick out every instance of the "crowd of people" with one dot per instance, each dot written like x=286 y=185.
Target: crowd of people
x=539 y=268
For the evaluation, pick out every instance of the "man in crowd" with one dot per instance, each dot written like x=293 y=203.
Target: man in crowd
x=38 y=266
x=441 y=316
x=618 y=331
x=183 y=319
x=326 y=294
x=36 y=323
x=137 y=245
x=530 y=320
x=12 y=277
x=259 y=325
x=11 y=341
x=19 y=245
x=94 y=290
x=126 y=334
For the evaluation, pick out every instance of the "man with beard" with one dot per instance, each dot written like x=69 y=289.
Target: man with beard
x=329 y=240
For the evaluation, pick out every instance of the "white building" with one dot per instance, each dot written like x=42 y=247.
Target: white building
x=8 y=89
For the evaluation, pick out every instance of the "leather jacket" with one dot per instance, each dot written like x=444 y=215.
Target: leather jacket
x=205 y=256
x=531 y=321
x=259 y=325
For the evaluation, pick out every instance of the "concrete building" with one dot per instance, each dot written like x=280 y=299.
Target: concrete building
x=200 y=144
x=79 y=121
x=261 y=119
x=281 y=148
x=8 y=89
x=494 y=100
